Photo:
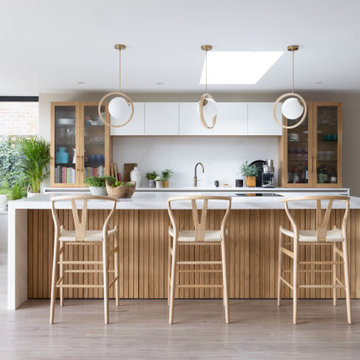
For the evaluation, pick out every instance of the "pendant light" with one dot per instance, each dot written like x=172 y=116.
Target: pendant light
x=293 y=106
x=207 y=104
x=120 y=106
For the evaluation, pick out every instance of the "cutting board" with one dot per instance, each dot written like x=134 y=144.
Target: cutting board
x=127 y=168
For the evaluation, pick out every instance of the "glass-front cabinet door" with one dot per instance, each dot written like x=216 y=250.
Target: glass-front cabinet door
x=327 y=140
x=80 y=144
x=64 y=170
x=95 y=137
x=297 y=149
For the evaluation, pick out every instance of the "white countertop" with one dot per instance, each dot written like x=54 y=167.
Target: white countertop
x=158 y=200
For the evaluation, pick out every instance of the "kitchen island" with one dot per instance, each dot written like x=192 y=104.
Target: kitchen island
x=143 y=222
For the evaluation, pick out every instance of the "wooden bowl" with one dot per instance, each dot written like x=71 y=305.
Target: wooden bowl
x=122 y=191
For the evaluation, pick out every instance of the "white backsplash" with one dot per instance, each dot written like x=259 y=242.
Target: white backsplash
x=221 y=156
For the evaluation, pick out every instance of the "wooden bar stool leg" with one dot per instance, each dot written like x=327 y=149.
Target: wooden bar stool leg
x=116 y=266
x=334 y=274
x=347 y=281
x=172 y=285
x=105 y=277
x=225 y=290
x=62 y=248
x=53 y=281
x=279 y=269
x=169 y=268
x=295 y=282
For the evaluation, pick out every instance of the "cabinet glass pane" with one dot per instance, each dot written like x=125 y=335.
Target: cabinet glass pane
x=65 y=143
x=298 y=153
x=94 y=142
x=327 y=144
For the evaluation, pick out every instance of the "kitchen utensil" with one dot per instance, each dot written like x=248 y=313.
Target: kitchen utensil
x=267 y=177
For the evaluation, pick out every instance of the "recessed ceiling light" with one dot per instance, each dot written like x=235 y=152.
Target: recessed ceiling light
x=238 y=67
x=318 y=83
x=81 y=82
x=159 y=83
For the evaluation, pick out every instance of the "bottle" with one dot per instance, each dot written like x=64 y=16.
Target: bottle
x=135 y=175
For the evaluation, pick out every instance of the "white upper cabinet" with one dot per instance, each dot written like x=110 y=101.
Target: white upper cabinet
x=189 y=120
x=231 y=119
x=261 y=121
x=137 y=124
x=162 y=118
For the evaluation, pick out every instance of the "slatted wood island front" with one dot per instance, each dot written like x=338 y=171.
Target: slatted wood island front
x=252 y=248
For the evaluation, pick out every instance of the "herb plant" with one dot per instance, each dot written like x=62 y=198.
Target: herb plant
x=249 y=170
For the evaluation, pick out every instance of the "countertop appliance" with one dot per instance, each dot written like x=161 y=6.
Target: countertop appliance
x=267 y=176
x=259 y=164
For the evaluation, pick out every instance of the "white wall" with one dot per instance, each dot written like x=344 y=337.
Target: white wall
x=221 y=156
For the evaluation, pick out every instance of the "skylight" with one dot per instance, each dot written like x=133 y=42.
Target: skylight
x=238 y=67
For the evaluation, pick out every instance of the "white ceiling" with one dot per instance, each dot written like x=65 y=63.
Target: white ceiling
x=51 y=45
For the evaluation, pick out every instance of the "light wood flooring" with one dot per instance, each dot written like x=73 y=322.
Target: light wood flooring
x=139 y=330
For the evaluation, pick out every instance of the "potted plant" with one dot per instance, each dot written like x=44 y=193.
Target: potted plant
x=151 y=178
x=250 y=172
x=35 y=162
x=159 y=182
x=166 y=175
x=97 y=185
x=120 y=189
x=16 y=191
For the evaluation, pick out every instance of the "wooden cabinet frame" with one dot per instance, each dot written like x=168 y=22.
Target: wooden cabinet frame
x=312 y=150
x=79 y=143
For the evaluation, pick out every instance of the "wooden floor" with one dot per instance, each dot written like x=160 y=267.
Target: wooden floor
x=139 y=330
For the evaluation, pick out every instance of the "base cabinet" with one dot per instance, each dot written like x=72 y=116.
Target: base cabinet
x=251 y=248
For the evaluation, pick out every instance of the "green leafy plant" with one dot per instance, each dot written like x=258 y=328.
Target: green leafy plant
x=248 y=170
x=151 y=175
x=97 y=181
x=35 y=161
x=10 y=160
x=158 y=178
x=166 y=174
x=16 y=191
x=122 y=183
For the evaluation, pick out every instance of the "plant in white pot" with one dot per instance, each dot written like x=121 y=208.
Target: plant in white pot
x=35 y=162
x=151 y=176
x=159 y=182
x=97 y=185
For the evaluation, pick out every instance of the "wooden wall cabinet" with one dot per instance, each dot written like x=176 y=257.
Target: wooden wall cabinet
x=311 y=154
x=80 y=144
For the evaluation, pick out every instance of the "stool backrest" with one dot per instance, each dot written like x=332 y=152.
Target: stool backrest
x=322 y=217
x=80 y=222
x=199 y=221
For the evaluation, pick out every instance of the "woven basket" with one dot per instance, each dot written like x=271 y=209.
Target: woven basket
x=122 y=191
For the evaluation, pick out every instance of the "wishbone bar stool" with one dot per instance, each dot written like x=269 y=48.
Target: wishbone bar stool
x=197 y=237
x=321 y=236
x=83 y=237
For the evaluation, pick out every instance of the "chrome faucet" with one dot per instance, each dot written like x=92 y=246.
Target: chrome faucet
x=195 y=177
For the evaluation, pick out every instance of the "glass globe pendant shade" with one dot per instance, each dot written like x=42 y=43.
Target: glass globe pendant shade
x=119 y=108
x=292 y=108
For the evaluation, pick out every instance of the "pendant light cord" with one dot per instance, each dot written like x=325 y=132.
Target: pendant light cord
x=120 y=69
x=206 y=71
x=293 y=71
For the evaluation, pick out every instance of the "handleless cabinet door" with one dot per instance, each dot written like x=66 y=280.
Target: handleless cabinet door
x=162 y=118
x=189 y=120
x=137 y=124
x=261 y=121
x=231 y=119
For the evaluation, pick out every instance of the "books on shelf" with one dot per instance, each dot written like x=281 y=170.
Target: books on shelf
x=65 y=175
